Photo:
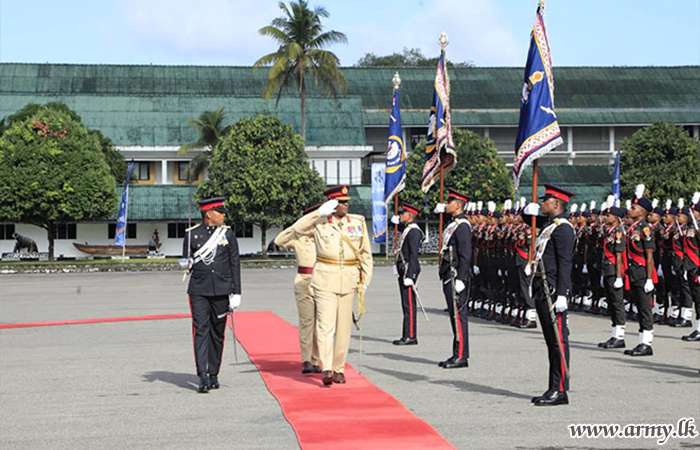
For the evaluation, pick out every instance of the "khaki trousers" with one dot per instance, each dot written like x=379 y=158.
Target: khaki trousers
x=307 y=318
x=333 y=328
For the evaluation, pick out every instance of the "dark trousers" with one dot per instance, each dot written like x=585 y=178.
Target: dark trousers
x=524 y=288
x=460 y=326
x=694 y=289
x=557 y=379
x=671 y=289
x=408 y=306
x=208 y=331
x=643 y=302
x=616 y=300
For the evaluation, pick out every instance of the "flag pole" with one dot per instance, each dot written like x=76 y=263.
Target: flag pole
x=533 y=224
x=396 y=225
x=442 y=189
x=126 y=221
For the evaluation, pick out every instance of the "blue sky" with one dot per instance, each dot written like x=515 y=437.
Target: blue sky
x=224 y=32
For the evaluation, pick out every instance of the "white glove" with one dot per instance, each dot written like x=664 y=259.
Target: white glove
x=673 y=270
x=618 y=283
x=560 y=305
x=186 y=263
x=648 y=286
x=660 y=271
x=584 y=269
x=602 y=282
x=439 y=208
x=394 y=270
x=500 y=274
x=328 y=208
x=459 y=286
x=234 y=301
x=476 y=270
x=407 y=282
x=528 y=272
x=395 y=219
x=532 y=209
x=685 y=276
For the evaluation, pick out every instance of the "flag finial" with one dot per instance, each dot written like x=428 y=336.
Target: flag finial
x=444 y=40
x=396 y=80
x=541 y=4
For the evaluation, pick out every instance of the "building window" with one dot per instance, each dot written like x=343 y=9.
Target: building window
x=244 y=230
x=66 y=231
x=130 y=230
x=143 y=171
x=176 y=230
x=182 y=172
x=7 y=230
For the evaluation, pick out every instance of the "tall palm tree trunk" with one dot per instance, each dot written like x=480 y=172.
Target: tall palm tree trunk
x=302 y=96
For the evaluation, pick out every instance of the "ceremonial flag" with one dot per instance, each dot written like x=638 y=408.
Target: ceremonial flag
x=616 y=180
x=439 y=149
x=538 y=131
x=395 y=152
x=120 y=234
x=378 y=205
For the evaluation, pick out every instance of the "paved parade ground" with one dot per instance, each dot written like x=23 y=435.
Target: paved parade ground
x=131 y=385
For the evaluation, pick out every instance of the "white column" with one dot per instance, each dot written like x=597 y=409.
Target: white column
x=406 y=144
x=164 y=172
x=696 y=131
x=570 y=144
x=611 y=147
x=487 y=133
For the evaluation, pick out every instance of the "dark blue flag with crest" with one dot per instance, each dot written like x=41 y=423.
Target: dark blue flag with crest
x=120 y=234
x=395 y=152
x=616 y=180
x=538 y=131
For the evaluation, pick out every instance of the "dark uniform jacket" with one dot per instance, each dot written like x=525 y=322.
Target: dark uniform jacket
x=639 y=238
x=461 y=244
x=407 y=262
x=223 y=275
x=558 y=255
x=613 y=244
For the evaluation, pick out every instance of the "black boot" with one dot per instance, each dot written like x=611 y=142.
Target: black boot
x=612 y=343
x=557 y=398
x=203 y=387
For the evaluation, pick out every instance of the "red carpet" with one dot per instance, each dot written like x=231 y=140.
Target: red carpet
x=7 y=326
x=356 y=415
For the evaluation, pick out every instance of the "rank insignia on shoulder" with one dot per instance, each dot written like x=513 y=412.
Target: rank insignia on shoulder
x=223 y=241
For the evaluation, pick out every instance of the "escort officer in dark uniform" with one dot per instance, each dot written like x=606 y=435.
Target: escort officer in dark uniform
x=692 y=240
x=455 y=274
x=691 y=262
x=641 y=270
x=613 y=273
x=211 y=250
x=555 y=250
x=408 y=268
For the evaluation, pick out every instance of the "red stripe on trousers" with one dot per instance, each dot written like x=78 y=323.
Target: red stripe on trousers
x=410 y=311
x=562 y=356
x=459 y=331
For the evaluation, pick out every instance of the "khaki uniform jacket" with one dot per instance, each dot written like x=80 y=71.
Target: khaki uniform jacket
x=305 y=251
x=337 y=269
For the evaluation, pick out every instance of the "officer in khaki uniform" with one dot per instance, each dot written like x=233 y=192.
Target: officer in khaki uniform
x=305 y=251
x=343 y=268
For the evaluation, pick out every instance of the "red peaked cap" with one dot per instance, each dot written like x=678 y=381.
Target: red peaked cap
x=311 y=209
x=454 y=194
x=562 y=194
x=213 y=203
x=407 y=207
x=337 y=193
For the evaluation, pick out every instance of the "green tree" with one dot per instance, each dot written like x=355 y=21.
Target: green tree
x=664 y=158
x=301 y=38
x=410 y=57
x=479 y=172
x=262 y=169
x=53 y=171
x=210 y=129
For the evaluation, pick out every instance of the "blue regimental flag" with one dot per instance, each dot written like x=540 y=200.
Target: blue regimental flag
x=395 y=152
x=378 y=205
x=538 y=131
x=439 y=148
x=616 y=180
x=120 y=234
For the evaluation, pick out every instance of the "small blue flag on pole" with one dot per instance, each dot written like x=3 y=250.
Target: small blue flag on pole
x=616 y=180
x=396 y=151
x=538 y=130
x=378 y=205
x=120 y=235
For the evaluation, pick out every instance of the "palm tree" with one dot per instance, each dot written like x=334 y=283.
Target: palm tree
x=210 y=129
x=301 y=38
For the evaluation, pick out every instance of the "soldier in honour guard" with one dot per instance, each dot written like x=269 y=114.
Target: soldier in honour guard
x=528 y=318
x=665 y=242
x=305 y=252
x=342 y=270
x=551 y=286
x=213 y=261
x=614 y=266
x=640 y=246
x=693 y=275
x=455 y=274
x=691 y=266
x=407 y=269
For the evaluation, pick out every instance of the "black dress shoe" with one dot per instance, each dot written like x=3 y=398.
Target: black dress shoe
x=456 y=364
x=214 y=382
x=203 y=387
x=613 y=343
x=528 y=324
x=327 y=378
x=547 y=393
x=556 y=398
x=306 y=367
x=682 y=323
x=317 y=369
x=450 y=360
x=640 y=350
x=406 y=341
x=692 y=337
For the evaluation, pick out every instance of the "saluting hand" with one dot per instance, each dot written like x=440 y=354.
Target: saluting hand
x=328 y=208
